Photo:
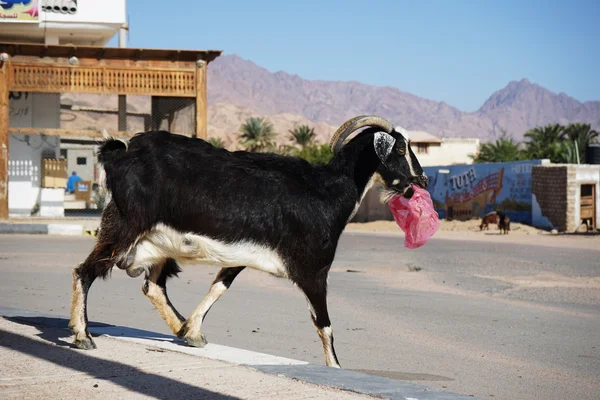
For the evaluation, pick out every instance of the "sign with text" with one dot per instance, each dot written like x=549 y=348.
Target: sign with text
x=19 y=11
x=20 y=109
x=463 y=192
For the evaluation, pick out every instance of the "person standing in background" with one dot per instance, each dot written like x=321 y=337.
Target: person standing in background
x=73 y=179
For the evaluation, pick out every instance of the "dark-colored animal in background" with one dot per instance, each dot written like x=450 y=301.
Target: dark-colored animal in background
x=179 y=199
x=503 y=223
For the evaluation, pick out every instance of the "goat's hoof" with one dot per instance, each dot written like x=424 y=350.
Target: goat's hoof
x=85 y=344
x=196 y=341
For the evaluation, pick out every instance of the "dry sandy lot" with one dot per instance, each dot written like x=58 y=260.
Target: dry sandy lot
x=469 y=230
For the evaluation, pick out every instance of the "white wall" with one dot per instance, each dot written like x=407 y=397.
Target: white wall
x=91 y=11
x=94 y=23
x=86 y=172
x=449 y=152
x=25 y=152
x=24 y=170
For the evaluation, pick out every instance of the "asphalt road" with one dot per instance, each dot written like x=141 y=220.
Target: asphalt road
x=495 y=320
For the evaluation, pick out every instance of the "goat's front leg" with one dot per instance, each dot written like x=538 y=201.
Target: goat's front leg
x=191 y=331
x=316 y=296
x=155 y=288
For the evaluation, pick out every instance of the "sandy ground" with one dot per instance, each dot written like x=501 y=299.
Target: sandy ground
x=447 y=226
x=451 y=230
x=469 y=230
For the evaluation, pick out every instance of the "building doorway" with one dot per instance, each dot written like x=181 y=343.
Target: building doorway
x=587 y=206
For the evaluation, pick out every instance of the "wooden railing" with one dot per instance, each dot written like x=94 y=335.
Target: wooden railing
x=82 y=79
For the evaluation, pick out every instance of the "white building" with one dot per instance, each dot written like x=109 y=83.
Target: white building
x=50 y=22
x=83 y=22
x=431 y=150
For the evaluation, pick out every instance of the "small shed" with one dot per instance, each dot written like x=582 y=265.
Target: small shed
x=174 y=79
x=566 y=197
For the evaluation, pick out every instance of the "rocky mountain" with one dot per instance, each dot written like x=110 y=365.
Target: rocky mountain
x=239 y=89
x=516 y=108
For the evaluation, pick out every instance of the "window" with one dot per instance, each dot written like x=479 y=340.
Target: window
x=422 y=148
x=81 y=160
x=587 y=190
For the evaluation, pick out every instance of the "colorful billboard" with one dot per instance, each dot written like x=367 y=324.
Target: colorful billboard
x=463 y=192
x=19 y=11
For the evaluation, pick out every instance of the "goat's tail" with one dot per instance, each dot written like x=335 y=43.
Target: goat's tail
x=109 y=150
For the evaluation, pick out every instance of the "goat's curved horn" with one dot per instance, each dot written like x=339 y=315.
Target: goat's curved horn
x=355 y=123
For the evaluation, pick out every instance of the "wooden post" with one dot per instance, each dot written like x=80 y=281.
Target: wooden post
x=4 y=110
x=201 y=123
x=122 y=113
x=155 y=117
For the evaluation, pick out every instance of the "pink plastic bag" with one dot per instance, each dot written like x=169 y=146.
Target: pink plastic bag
x=415 y=216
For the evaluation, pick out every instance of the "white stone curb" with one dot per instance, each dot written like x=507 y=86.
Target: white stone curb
x=65 y=229
x=213 y=351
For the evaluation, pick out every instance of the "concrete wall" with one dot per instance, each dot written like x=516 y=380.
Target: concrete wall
x=86 y=172
x=25 y=152
x=450 y=152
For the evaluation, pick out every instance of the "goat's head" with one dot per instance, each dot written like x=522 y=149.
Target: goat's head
x=398 y=168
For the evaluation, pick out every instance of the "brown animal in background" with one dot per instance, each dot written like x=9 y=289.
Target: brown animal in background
x=486 y=220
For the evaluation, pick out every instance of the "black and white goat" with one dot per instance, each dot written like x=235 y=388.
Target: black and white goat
x=178 y=199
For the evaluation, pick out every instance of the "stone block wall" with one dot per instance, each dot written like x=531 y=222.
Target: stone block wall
x=549 y=185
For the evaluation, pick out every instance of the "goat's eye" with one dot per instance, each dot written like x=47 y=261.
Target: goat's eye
x=400 y=151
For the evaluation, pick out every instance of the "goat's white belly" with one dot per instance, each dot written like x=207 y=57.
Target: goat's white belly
x=165 y=242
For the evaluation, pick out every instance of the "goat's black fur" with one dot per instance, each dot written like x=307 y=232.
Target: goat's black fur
x=285 y=204
x=282 y=202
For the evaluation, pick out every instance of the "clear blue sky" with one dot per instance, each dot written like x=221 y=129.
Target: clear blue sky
x=456 y=51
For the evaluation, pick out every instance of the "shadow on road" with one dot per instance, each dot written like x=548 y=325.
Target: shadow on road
x=124 y=375
x=52 y=329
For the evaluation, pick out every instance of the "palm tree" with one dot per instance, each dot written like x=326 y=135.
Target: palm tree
x=542 y=141
x=257 y=134
x=503 y=149
x=302 y=135
x=217 y=142
x=583 y=135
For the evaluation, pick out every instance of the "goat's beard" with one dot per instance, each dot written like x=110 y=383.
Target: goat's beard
x=387 y=194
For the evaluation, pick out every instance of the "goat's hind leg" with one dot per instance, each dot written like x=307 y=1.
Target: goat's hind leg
x=98 y=263
x=191 y=331
x=155 y=288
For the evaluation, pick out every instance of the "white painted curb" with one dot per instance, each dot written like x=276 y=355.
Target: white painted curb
x=65 y=229
x=213 y=351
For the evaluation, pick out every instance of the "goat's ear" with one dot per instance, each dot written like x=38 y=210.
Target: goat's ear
x=384 y=143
